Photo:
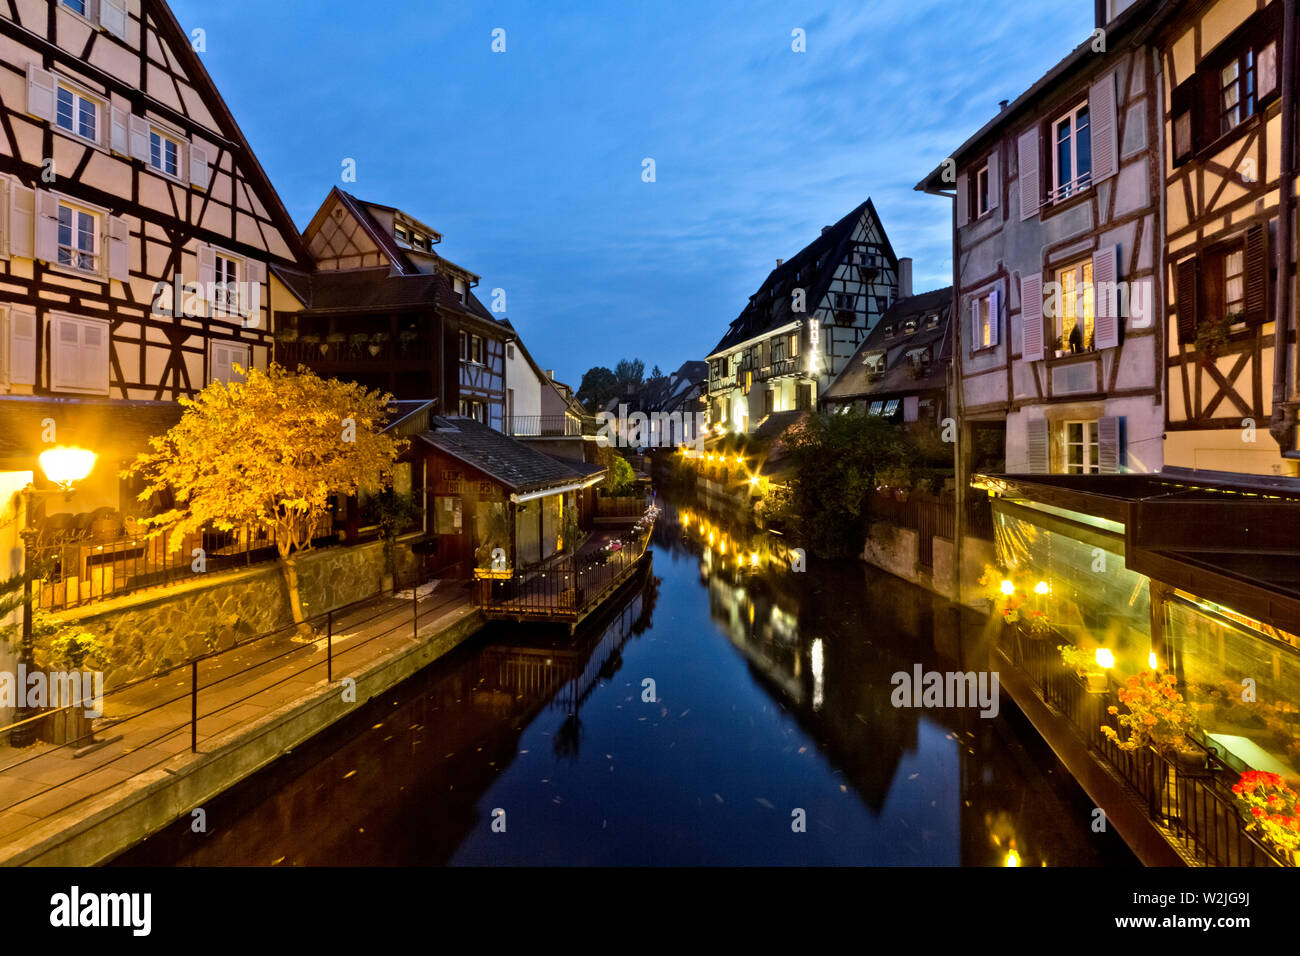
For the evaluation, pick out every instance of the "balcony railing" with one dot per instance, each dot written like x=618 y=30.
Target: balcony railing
x=1194 y=806
x=777 y=369
x=550 y=426
x=352 y=349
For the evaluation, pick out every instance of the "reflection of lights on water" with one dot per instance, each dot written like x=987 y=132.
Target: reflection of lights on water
x=1040 y=587
x=1008 y=587
x=753 y=559
x=1151 y=661
x=818 y=665
x=1013 y=858
x=1105 y=658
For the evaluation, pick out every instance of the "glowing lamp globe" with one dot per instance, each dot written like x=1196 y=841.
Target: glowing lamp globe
x=67 y=466
x=1007 y=587
x=1105 y=659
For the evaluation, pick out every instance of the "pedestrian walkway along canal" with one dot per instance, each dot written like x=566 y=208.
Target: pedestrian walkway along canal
x=725 y=710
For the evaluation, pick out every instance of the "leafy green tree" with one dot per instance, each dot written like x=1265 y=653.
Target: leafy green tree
x=629 y=372
x=598 y=386
x=269 y=452
x=839 y=459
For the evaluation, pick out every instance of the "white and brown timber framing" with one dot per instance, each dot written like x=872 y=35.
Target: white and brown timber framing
x=220 y=200
x=1013 y=251
x=1222 y=192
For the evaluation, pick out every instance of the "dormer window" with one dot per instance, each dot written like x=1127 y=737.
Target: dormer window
x=889 y=331
x=909 y=326
x=932 y=320
x=419 y=241
x=400 y=233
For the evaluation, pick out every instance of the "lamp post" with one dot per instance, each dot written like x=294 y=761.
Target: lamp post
x=65 y=467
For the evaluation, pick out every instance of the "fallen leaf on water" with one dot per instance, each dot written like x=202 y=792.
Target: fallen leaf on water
x=348 y=774
x=913 y=776
x=718 y=798
x=523 y=751
x=765 y=803
x=685 y=712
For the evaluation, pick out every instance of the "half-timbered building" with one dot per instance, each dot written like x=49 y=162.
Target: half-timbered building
x=1056 y=206
x=379 y=306
x=1228 y=165
x=804 y=323
x=136 y=232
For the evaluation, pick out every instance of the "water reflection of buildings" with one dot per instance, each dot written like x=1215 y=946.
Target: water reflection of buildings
x=398 y=782
x=825 y=644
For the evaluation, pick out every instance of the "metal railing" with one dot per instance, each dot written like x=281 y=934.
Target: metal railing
x=632 y=506
x=561 y=588
x=1193 y=803
x=150 y=712
x=83 y=570
x=352 y=348
x=548 y=426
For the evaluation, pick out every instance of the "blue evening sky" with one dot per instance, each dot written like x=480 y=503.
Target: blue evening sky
x=529 y=162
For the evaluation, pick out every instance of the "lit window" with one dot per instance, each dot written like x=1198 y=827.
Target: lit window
x=1081 y=448
x=77 y=113
x=78 y=238
x=1074 y=324
x=164 y=153
x=1071 y=154
x=984 y=323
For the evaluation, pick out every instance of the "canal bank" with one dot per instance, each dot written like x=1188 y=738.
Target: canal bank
x=766 y=736
x=177 y=744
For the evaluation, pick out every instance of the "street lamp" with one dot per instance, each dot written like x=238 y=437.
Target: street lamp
x=65 y=467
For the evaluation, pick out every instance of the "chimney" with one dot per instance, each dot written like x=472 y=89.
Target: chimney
x=825 y=229
x=779 y=263
x=1002 y=104
x=550 y=373
x=905 y=277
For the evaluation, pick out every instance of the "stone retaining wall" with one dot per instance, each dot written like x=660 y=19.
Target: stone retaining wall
x=152 y=630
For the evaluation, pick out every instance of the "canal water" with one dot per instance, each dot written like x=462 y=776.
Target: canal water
x=725 y=710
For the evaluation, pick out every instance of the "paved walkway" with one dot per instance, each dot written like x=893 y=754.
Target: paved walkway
x=152 y=718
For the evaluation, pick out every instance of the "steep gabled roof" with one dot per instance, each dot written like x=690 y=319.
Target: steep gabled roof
x=766 y=312
x=183 y=48
x=889 y=337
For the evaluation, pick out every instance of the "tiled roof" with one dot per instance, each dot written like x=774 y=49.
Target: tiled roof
x=888 y=336
x=510 y=462
x=766 y=312
x=113 y=430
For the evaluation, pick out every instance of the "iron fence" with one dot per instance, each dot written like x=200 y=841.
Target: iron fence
x=563 y=588
x=1192 y=800
x=165 y=713
x=83 y=570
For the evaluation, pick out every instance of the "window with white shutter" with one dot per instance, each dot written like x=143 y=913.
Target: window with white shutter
x=1104 y=128
x=119 y=249
x=224 y=356
x=1027 y=160
x=79 y=357
x=20 y=233
x=41 y=87
x=113 y=17
x=1037 y=446
x=21 y=345
x=200 y=171
x=1106 y=297
x=1031 y=318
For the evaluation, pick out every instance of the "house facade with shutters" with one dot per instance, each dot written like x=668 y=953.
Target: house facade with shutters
x=1228 y=238
x=136 y=232
x=804 y=323
x=1058 y=347
x=380 y=307
x=124 y=179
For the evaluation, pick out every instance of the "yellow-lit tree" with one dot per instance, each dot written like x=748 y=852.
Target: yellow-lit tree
x=268 y=452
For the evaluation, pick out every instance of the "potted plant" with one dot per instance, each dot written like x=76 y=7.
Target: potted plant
x=1156 y=717
x=1272 y=809
x=377 y=343
x=308 y=339
x=394 y=513
x=1085 y=666
x=1213 y=335
x=69 y=649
